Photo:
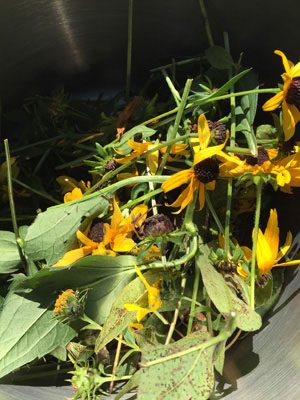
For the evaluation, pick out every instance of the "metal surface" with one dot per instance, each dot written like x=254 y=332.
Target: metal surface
x=82 y=44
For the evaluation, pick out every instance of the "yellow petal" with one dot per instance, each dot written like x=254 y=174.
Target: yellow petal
x=186 y=196
x=286 y=63
x=75 y=194
x=85 y=240
x=124 y=160
x=288 y=263
x=203 y=132
x=283 y=178
x=201 y=195
x=273 y=102
x=177 y=180
x=286 y=246
x=138 y=147
x=288 y=119
x=207 y=153
x=152 y=161
x=73 y=255
x=264 y=254
x=272 y=233
x=117 y=217
x=247 y=253
x=139 y=213
x=120 y=243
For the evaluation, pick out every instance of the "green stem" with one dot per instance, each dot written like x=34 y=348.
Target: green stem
x=178 y=63
x=129 y=50
x=12 y=205
x=206 y=23
x=223 y=335
x=194 y=298
x=172 y=88
x=176 y=124
x=255 y=234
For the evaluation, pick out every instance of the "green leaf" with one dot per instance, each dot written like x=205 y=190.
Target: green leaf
x=188 y=376
x=218 y=57
x=244 y=126
x=10 y=258
x=123 y=146
x=119 y=318
x=249 y=101
x=214 y=282
x=131 y=384
x=53 y=231
x=104 y=276
x=263 y=293
x=222 y=297
x=28 y=330
x=220 y=357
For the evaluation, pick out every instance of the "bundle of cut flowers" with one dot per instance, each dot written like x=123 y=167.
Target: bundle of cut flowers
x=147 y=273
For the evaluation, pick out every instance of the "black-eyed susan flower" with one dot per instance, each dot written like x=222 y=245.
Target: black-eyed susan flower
x=203 y=173
x=154 y=301
x=116 y=237
x=289 y=97
x=153 y=158
x=71 y=188
x=267 y=249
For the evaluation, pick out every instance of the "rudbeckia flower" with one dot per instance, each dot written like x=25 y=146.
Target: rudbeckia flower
x=267 y=249
x=151 y=159
x=153 y=298
x=204 y=172
x=288 y=97
x=116 y=237
x=71 y=188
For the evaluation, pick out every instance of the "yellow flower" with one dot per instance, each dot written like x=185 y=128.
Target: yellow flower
x=153 y=298
x=62 y=300
x=151 y=159
x=71 y=188
x=203 y=173
x=116 y=237
x=267 y=254
x=287 y=97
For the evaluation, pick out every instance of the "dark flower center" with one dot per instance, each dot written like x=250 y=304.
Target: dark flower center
x=157 y=225
x=206 y=170
x=97 y=231
x=293 y=93
x=262 y=157
x=218 y=130
x=111 y=165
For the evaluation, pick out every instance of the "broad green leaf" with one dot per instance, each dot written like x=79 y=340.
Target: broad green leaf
x=278 y=279
x=214 y=282
x=28 y=330
x=134 y=293
x=188 y=376
x=54 y=230
x=249 y=101
x=222 y=297
x=10 y=258
x=263 y=293
x=244 y=126
x=131 y=384
x=220 y=357
x=246 y=319
x=218 y=57
x=104 y=276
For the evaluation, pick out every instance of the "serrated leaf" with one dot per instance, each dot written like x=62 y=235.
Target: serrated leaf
x=188 y=376
x=10 y=258
x=53 y=231
x=218 y=57
x=28 y=330
x=104 y=276
x=119 y=318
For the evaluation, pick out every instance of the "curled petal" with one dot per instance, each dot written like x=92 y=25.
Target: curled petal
x=85 y=240
x=75 y=194
x=186 y=196
x=286 y=63
x=201 y=195
x=139 y=147
x=290 y=116
x=207 y=153
x=177 y=180
x=286 y=246
x=203 y=132
x=273 y=102
x=264 y=255
x=152 y=161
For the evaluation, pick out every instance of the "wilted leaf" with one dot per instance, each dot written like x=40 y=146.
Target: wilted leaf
x=10 y=258
x=188 y=376
x=53 y=231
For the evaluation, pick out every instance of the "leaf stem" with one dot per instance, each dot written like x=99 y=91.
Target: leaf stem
x=12 y=205
x=255 y=234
